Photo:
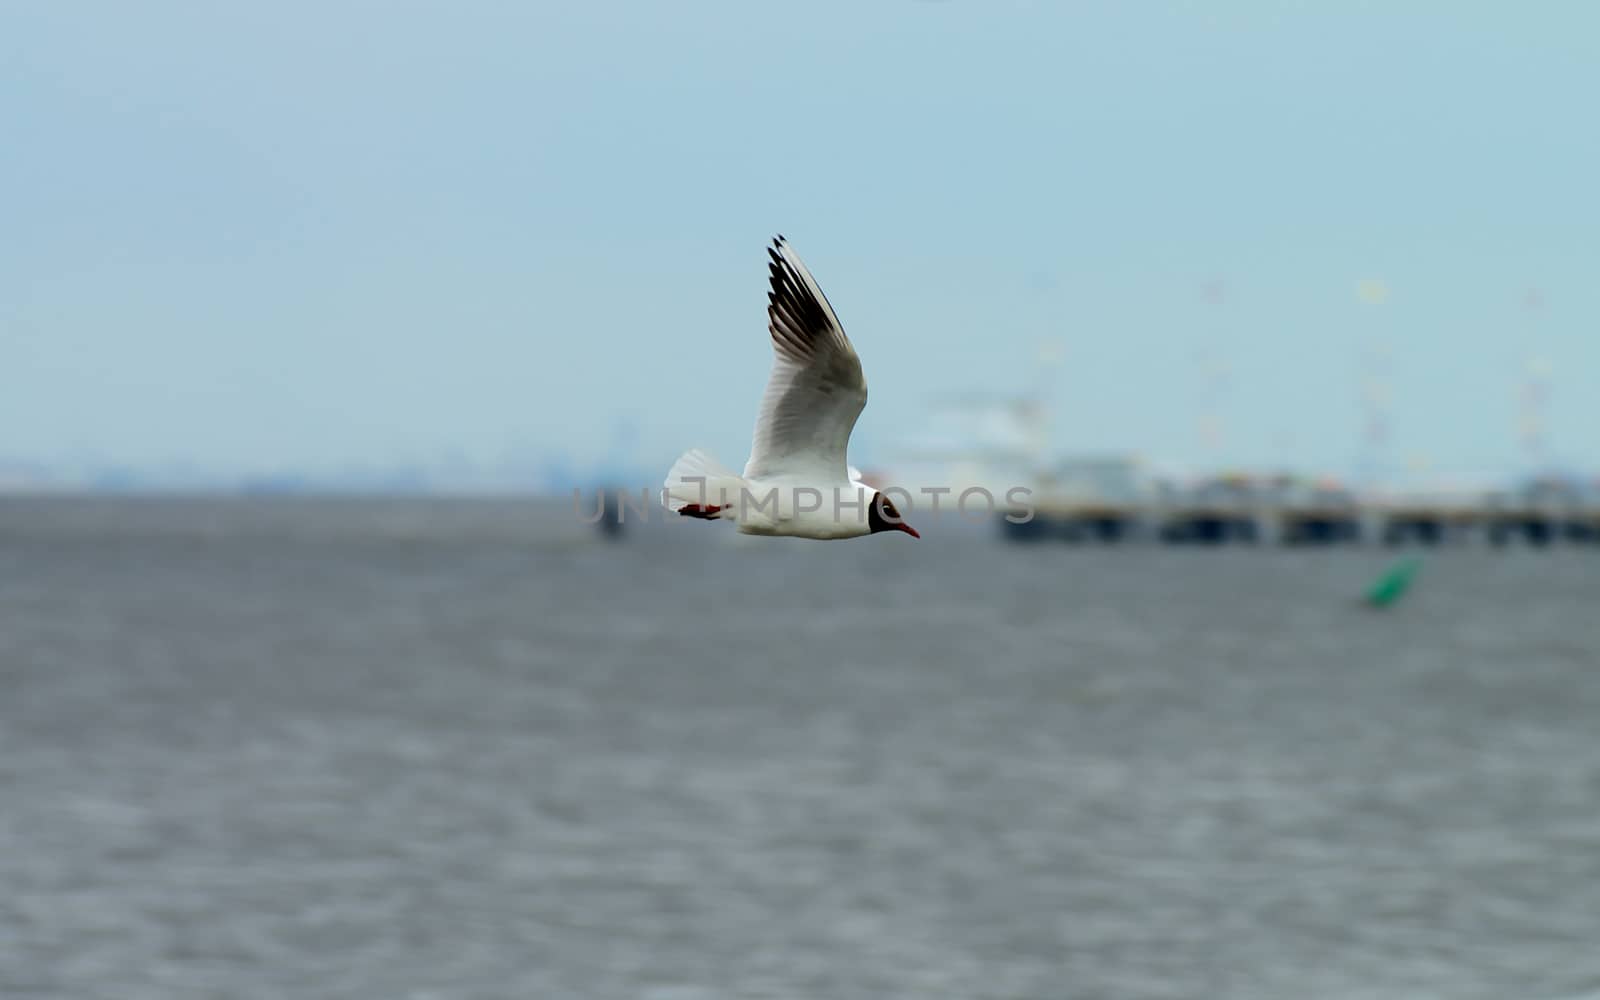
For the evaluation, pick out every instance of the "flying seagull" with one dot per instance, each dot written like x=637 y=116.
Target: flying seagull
x=797 y=481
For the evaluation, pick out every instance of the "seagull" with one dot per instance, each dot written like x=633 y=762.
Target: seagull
x=797 y=482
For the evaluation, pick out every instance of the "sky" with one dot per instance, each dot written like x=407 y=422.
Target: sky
x=255 y=237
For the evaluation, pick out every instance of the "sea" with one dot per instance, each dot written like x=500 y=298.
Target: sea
x=279 y=747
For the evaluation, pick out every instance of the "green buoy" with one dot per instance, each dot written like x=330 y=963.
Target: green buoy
x=1393 y=583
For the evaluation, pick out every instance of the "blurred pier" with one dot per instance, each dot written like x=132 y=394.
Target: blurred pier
x=998 y=442
x=1355 y=523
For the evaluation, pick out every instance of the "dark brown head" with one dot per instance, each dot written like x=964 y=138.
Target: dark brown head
x=882 y=516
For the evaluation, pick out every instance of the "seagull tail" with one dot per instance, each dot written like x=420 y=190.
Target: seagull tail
x=700 y=486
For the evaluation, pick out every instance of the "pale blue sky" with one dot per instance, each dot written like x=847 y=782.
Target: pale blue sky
x=257 y=236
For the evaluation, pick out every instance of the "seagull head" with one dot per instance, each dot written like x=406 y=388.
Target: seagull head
x=882 y=516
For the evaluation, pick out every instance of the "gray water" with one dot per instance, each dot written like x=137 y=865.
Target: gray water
x=417 y=749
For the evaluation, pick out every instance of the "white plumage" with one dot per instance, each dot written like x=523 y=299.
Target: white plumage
x=797 y=480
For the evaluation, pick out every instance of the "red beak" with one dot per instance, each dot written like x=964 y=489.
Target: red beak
x=908 y=529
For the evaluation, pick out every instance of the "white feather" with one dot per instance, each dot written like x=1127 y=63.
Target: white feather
x=816 y=389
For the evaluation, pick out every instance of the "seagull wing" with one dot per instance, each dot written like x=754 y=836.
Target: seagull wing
x=816 y=389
